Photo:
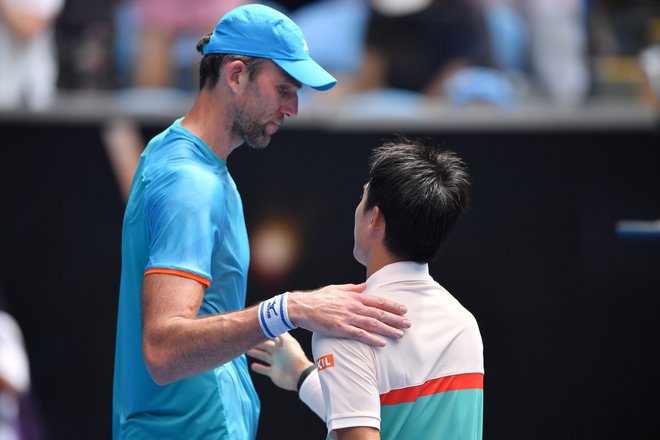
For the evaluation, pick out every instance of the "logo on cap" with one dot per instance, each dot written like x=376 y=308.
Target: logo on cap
x=305 y=48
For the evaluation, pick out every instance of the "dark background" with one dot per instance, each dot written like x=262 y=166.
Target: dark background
x=568 y=310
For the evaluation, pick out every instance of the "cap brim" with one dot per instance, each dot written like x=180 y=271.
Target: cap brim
x=308 y=72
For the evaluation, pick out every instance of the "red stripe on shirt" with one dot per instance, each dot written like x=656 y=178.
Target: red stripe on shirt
x=434 y=386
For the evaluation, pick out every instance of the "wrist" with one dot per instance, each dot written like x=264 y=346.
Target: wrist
x=294 y=308
x=273 y=316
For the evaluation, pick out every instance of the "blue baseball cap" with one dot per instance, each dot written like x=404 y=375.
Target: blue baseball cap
x=261 y=31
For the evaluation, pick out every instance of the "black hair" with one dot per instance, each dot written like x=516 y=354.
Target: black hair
x=209 y=67
x=421 y=192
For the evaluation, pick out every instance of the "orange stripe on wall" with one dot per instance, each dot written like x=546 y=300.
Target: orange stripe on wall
x=180 y=273
x=434 y=386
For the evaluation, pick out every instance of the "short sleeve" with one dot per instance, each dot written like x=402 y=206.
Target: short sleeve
x=347 y=370
x=184 y=208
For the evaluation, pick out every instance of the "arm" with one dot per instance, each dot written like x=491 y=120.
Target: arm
x=284 y=361
x=178 y=344
x=343 y=311
x=347 y=371
x=123 y=144
x=372 y=71
x=356 y=433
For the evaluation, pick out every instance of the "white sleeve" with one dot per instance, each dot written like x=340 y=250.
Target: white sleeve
x=14 y=367
x=311 y=395
x=347 y=372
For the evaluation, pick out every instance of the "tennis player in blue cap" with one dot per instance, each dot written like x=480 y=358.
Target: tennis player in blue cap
x=183 y=329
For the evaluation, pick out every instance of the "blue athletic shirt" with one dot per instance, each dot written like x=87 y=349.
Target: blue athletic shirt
x=184 y=217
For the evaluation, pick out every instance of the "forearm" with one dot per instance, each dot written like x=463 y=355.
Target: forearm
x=185 y=347
x=177 y=344
x=285 y=362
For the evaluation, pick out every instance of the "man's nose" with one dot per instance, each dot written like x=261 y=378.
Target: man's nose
x=290 y=106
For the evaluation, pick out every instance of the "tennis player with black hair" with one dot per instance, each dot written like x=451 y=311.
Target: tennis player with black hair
x=429 y=384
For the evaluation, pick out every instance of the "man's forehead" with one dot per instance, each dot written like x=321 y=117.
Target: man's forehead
x=284 y=75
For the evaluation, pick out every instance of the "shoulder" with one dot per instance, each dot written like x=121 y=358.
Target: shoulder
x=175 y=162
x=329 y=350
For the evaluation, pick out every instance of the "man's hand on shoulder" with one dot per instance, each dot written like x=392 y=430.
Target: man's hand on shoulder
x=343 y=311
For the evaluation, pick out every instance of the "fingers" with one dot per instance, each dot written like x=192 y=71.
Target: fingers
x=260 y=368
x=351 y=287
x=357 y=288
x=344 y=311
x=378 y=317
x=386 y=325
x=363 y=336
x=266 y=347
x=262 y=355
x=384 y=304
x=283 y=339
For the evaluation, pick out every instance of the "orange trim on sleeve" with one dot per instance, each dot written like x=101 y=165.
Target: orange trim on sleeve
x=180 y=273
x=434 y=386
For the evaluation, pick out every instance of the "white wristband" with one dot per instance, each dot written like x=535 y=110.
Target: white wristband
x=273 y=316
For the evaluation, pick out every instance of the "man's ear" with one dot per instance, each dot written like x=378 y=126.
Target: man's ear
x=234 y=74
x=376 y=220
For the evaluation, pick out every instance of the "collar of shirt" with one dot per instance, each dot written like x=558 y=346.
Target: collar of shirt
x=399 y=271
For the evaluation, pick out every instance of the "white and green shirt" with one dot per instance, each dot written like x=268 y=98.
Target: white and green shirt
x=427 y=385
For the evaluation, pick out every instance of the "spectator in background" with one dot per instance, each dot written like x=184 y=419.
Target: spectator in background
x=28 y=64
x=416 y=44
x=161 y=23
x=439 y=48
x=559 y=49
x=341 y=51
x=432 y=48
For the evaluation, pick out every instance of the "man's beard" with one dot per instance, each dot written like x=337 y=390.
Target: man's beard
x=248 y=128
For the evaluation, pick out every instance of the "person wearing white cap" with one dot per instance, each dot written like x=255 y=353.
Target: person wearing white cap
x=183 y=329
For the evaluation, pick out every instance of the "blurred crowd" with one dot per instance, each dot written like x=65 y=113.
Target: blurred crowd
x=488 y=51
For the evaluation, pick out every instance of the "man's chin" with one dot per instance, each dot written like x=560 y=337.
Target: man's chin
x=258 y=144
